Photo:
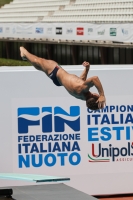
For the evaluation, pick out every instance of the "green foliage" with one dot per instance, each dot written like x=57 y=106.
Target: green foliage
x=3 y=2
x=9 y=62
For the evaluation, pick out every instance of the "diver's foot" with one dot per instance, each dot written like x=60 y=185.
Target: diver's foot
x=22 y=53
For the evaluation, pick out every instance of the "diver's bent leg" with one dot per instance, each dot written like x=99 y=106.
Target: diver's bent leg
x=42 y=64
x=34 y=60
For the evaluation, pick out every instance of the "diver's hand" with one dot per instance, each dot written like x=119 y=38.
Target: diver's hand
x=86 y=64
x=101 y=102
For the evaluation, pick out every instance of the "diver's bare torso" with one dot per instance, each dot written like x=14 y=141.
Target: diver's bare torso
x=72 y=83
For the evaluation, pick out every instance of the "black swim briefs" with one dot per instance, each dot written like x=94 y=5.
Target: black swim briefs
x=52 y=76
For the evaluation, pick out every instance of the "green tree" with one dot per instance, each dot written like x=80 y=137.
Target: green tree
x=3 y=2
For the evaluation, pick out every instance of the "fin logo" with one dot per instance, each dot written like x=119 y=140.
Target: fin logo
x=30 y=116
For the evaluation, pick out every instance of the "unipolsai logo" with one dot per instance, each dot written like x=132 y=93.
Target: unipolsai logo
x=56 y=139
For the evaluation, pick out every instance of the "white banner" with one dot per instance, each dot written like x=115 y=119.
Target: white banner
x=46 y=131
x=68 y=31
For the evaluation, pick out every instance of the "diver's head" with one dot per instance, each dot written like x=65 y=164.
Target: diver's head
x=91 y=101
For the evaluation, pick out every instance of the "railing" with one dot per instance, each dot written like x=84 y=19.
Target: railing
x=69 y=54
